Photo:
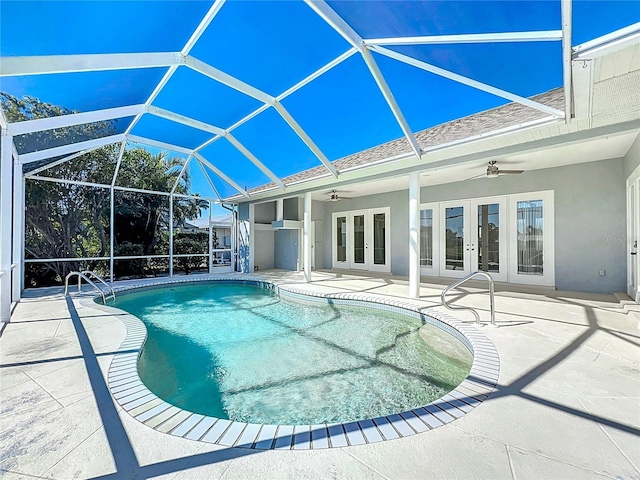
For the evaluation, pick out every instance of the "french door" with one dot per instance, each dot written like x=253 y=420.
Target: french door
x=506 y=236
x=361 y=240
x=473 y=238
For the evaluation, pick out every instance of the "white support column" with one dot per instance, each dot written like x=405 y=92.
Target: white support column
x=112 y=230
x=6 y=187
x=170 y=236
x=210 y=239
x=279 y=209
x=18 y=232
x=414 y=235
x=306 y=231
x=252 y=238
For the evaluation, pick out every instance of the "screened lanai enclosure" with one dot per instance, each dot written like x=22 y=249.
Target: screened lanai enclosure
x=125 y=124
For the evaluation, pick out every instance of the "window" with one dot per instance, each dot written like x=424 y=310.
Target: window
x=426 y=238
x=530 y=224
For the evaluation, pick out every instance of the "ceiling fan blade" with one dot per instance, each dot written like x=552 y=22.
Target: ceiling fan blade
x=510 y=172
x=476 y=176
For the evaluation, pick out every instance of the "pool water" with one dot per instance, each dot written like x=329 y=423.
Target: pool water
x=239 y=352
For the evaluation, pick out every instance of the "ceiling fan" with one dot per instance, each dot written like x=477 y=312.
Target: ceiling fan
x=493 y=171
x=334 y=197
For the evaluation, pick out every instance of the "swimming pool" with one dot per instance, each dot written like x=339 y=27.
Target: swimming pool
x=240 y=352
x=383 y=347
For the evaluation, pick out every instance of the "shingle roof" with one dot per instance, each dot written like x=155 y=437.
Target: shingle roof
x=477 y=124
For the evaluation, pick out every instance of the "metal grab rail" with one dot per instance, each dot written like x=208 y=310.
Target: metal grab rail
x=84 y=275
x=101 y=280
x=463 y=280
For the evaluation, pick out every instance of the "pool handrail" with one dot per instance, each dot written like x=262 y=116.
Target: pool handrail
x=85 y=275
x=465 y=279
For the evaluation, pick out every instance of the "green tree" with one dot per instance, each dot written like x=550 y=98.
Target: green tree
x=71 y=221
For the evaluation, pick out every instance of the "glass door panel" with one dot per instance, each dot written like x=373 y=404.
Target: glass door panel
x=454 y=238
x=377 y=236
x=359 y=244
x=489 y=238
x=341 y=239
x=358 y=239
x=379 y=243
x=426 y=238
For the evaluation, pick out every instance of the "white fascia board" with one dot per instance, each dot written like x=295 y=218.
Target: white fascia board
x=317 y=73
x=391 y=101
x=220 y=173
x=336 y=22
x=582 y=87
x=253 y=159
x=159 y=144
x=566 y=58
x=202 y=27
x=305 y=138
x=226 y=79
x=467 y=81
x=61 y=121
x=609 y=43
x=40 y=65
x=190 y=122
x=539 y=36
x=70 y=148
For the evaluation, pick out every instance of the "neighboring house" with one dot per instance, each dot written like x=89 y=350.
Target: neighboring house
x=222 y=229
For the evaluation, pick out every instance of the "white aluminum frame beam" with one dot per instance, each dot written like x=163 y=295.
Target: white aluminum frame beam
x=167 y=76
x=182 y=170
x=70 y=148
x=48 y=64
x=322 y=70
x=349 y=34
x=228 y=80
x=4 y=123
x=468 y=81
x=391 y=101
x=117 y=187
x=221 y=174
x=208 y=178
x=566 y=59
x=263 y=168
x=190 y=122
x=118 y=163
x=59 y=162
x=159 y=144
x=612 y=42
x=534 y=36
x=295 y=126
x=202 y=27
x=6 y=226
x=74 y=119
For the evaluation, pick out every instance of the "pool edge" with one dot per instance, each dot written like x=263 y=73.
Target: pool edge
x=135 y=398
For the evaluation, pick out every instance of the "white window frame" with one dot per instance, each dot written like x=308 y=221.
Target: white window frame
x=368 y=217
x=548 y=238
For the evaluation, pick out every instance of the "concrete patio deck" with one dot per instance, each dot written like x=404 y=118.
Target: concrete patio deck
x=567 y=403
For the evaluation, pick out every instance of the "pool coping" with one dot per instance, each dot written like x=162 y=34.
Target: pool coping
x=135 y=398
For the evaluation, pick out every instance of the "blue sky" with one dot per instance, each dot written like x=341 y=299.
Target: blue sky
x=272 y=46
